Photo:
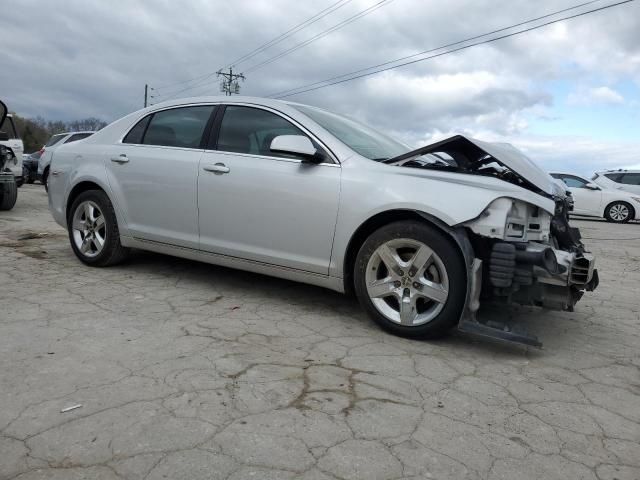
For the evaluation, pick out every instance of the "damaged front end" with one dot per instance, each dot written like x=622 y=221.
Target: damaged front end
x=531 y=257
x=523 y=253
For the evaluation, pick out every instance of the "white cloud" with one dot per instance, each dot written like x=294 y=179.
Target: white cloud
x=93 y=59
x=595 y=96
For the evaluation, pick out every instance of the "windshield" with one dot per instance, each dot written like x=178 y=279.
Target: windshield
x=362 y=139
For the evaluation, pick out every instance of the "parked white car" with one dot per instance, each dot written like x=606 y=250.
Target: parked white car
x=594 y=200
x=626 y=180
x=10 y=137
x=300 y=193
x=47 y=152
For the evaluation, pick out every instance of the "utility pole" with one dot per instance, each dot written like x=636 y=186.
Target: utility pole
x=229 y=83
x=147 y=97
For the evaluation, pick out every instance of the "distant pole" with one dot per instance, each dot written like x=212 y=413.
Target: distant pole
x=146 y=94
x=229 y=83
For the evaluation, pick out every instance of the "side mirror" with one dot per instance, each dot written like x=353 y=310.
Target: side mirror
x=296 y=145
x=592 y=186
x=4 y=136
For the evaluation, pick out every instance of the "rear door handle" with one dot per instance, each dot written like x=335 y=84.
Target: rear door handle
x=218 y=168
x=122 y=158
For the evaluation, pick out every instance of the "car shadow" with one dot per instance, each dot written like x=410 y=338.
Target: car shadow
x=322 y=301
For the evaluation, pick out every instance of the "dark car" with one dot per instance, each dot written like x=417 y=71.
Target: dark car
x=30 y=166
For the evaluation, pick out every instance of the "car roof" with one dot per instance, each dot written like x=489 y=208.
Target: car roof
x=566 y=173
x=268 y=102
x=619 y=170
x=72 y=133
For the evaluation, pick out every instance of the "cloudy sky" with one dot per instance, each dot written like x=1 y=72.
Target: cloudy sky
x=568 y=94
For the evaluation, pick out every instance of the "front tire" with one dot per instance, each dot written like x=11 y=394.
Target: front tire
x=619 y=212
x=411 y=280
x=93 y=230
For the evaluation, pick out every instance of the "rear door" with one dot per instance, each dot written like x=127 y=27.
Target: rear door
x=153 y=173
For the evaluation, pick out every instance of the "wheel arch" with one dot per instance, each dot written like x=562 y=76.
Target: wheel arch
x=79 y=188
x=632 y=210
x=458 y=236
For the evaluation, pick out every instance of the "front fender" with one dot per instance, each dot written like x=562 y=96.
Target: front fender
x=369 y=188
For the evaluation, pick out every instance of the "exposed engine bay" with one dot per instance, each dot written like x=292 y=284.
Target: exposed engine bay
x=529 y=255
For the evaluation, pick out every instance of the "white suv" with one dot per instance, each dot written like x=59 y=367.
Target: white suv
x=627 y=180
x=9 y=138
x=47 y=152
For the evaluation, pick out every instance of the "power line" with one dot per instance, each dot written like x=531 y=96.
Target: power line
x=309 y=21
x=164 y=87
x=433 y=49
x=320 y=35
x=204 y=81
x=324 y=33
x=569 y=17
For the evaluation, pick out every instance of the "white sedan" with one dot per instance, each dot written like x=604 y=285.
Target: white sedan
x=595 y=200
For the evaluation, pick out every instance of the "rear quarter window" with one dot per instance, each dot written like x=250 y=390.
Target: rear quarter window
x=77 y=136
x=55 y=139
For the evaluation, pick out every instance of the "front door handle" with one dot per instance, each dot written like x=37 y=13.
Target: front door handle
x=122 y=158
x=218 y=168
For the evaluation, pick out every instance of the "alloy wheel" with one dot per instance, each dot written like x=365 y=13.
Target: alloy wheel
x=89 y=229
x=619 y=212
x=407 y=282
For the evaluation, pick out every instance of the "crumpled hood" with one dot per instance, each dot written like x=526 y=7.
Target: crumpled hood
x=471 y=150
x=519 y=163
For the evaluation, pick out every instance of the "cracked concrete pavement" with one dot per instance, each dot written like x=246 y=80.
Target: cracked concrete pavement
x=191 y=371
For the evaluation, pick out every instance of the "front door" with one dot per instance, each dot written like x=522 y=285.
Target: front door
x=258 y=205
x=587 y=201
x=154 y=172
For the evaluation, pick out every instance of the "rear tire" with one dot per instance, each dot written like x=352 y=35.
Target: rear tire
x=45 y=179
x=619 y=212
x=8 y=194
x=411 y=280
x=93 y=230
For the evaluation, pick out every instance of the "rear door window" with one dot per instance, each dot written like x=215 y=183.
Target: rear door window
x=178 y=127
x=614 y=177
